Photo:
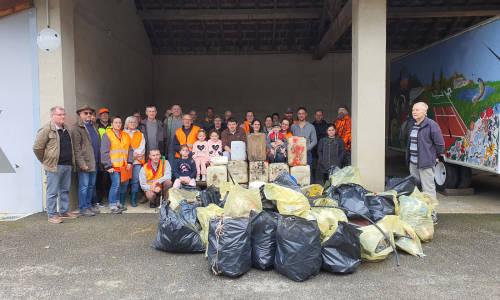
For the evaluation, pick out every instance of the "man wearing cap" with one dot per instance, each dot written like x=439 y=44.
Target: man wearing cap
x=86 y=144
x=103 y=121
x=103 y=182
x=53 y=148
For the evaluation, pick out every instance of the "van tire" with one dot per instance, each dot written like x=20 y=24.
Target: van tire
x=446 y=176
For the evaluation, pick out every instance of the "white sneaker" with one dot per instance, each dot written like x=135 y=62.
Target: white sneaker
x=198 y=177
x=203 y=178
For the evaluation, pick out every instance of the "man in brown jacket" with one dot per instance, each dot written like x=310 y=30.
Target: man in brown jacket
x=231 y=134
x=86 y=144
x=54 y=149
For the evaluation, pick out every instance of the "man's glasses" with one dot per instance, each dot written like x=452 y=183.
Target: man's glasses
x=86 y=113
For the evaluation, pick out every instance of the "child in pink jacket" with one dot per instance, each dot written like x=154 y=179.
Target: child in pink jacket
x=201 y=156
x=214 y=144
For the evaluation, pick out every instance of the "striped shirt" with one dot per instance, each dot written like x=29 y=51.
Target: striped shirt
x=414 y=144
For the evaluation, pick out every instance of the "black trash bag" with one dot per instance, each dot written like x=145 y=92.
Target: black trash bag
x=352 y=197
x=341 y=253
x=263 y=233
x=380 y=206
x=298 y=248
x=267 y=205
x=178 y=232
x=403 y=186
x=190 y=188
x=283 y=179
x=210 y=195
x=229 y=249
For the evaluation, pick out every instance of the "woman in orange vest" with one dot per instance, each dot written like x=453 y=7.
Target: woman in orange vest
x=139 y=145
x=117 y=157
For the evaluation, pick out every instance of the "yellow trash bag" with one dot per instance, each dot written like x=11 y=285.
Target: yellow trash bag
x=241 y=201
x=175 y=196
x=374 y=245
x=404 y=235
x=325 y=201
x=430 y=201
x=348 y=174
x=204 y=214
x=392 y=193
x=313 y=190
x=416 y=213
x=289 y=202
x=327 y=219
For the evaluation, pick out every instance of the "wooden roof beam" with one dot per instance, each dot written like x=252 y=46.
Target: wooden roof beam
x=443 y=12
x=337 y=27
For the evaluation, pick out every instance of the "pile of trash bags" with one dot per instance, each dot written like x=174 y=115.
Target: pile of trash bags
x=297 y=231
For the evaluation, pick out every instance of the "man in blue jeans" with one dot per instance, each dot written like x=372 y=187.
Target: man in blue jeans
x=54 y=149
x=86 y=144
x=305 y=129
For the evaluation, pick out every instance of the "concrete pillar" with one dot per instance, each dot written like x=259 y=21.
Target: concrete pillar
x=56 y=71
x=368 y=91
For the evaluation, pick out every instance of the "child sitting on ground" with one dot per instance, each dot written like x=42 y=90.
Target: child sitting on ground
x=276 y=145
x=201 y=156
x=214 y=144
x=184 y=169
x=330 y=151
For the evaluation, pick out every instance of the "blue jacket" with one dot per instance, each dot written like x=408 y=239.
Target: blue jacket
x=430 y=143
x=184 y=167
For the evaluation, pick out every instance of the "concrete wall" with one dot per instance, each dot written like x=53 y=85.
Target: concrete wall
x=263 y=83
x=113 y=60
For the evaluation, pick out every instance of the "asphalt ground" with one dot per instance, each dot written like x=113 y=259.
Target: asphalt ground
x=109 y=257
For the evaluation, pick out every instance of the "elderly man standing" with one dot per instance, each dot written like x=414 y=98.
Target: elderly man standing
x=171 y=124
x=186 y=135
x=152 y=129
x=54 y=149
x=155 y=178
x=343 y=125
x=425 y=145
x=307 y=130
x=86 y=144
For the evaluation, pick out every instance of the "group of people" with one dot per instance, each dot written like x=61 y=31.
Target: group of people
x=109 y=158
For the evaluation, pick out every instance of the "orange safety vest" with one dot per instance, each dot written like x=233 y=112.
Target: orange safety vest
x=150 y=172
x=118 y=152
x=247 y=126
x=344 y=131
x=136 y=142
x=189 y=140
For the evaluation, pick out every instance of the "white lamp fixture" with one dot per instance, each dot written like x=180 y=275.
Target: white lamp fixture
x=48 y=39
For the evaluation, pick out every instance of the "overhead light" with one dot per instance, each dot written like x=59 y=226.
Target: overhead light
x=48 y=39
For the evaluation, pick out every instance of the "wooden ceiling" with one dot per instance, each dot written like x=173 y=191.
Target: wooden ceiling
x=8 y=7
x=297 y=26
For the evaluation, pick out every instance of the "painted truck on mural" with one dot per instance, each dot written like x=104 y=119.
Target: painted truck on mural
x=459 y=78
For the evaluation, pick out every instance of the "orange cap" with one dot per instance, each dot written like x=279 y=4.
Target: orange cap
x=103 y=110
